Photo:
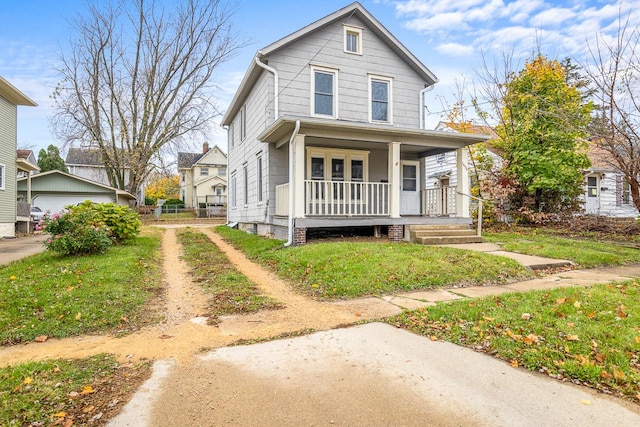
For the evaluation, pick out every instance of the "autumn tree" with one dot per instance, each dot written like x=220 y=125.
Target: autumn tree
x=542 y=134
x=167 y=187
x=613 y=68
x=50 y=159
x=138 y=77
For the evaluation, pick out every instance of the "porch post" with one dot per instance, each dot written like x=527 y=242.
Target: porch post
x=394 y=180
x=298 y=176
x=29 y=188
x=462 y=202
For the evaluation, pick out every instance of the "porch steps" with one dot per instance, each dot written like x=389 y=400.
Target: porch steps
x=443 y=234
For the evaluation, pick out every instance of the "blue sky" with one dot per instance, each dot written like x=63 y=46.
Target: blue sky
x=448 y=36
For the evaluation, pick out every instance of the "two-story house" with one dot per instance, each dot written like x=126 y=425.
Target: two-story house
x=203 y=178
x=11 y=211
x=327 y=131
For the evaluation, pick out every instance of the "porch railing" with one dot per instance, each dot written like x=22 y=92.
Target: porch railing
x=346 y=198
x=23 y=209
x=439 y=201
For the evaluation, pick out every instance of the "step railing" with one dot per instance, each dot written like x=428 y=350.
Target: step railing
x=479 y=200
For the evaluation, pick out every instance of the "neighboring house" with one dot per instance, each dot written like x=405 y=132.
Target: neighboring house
x=327 y=130
x=12 y=212
x=53 y=190
x=606 y=191
x=203 y=178
x=88 y=163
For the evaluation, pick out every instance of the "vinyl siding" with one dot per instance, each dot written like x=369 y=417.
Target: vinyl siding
x=8 y=146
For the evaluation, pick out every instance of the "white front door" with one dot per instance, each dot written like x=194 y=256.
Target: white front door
x=592 y=198
x=409 y=188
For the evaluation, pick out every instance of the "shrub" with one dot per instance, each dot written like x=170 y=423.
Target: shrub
x=75 y=233
x=123 y=222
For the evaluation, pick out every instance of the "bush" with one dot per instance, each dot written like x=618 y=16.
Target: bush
x=174 y=202
x=123 y=222
x=75 y=233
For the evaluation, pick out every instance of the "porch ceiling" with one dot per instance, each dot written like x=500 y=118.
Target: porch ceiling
x=328 y=131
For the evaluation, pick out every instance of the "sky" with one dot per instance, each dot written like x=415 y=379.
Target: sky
x=451 y=37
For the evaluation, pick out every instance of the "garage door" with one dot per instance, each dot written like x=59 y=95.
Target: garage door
x=56 y=203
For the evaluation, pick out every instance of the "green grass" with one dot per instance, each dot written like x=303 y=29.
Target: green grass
x=589 y=336
x=352 y=269
x=229 y=291
x=585 y=252
x=61 y=296
x=51 y=392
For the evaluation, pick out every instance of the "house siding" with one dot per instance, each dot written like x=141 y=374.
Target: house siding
x=8 y=141
x=609 y=205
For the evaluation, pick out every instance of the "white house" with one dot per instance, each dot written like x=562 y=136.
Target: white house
x=327 y=131
x=203 y=178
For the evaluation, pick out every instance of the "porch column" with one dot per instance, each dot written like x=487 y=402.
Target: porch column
x=462 y=171
x=298 y=176
x=394 y=180
x=29 y=188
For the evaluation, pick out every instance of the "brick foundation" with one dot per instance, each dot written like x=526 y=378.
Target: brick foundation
x=396 y=233
x=299 y=236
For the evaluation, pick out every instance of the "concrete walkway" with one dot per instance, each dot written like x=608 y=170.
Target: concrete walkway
x=530 y=261
x=20 y=247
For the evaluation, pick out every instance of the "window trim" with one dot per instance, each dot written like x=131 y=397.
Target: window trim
x=259 y=183
x=332 y=153
x=245 y=183
x=231 y=134
x=389 y=81
x=325 y=70
x=234 y=190
x=243 y=123
x=3 y=175
x=626 y=201
x=204 y=171
x=349 y=29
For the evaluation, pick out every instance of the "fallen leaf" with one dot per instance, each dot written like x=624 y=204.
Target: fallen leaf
x=591 y=315
x=56 y=369
x=571 y=337
x=165 y=336
x=620 y=313
x=561 y=301
x=69 y=288
x=433 y=338
x=583 y=360
x=60 y=414
x=576 y=304
x=600 y=357
x=525 y=316
x=67 y=423
x=567 y=349
x=618 y=374
x=571 y=325
x=78 y=316
x=488 y=319
x=27 y=380
x=12 y=277
x=514 y=363
x=87 y=390
x=638 y=340
x=585 y=402
x=41 y=338
x=606 y=375
x=531 y=339
x=73 y=394
x=358 y=314
x=638 y=396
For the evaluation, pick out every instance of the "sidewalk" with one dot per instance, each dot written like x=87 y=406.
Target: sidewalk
x=20 y=247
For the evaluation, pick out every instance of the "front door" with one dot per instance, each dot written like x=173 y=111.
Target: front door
x=410 y=188
x=592 y=199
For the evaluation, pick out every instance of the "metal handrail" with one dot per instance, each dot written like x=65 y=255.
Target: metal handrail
x=479 y=210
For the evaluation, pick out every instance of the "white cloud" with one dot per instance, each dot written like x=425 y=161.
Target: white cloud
x=455 y=49
x=552 y=17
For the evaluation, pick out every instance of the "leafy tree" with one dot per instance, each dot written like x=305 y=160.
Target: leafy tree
x=138 y=77
x=51 y=160
x=167 y=187
x=543 y=135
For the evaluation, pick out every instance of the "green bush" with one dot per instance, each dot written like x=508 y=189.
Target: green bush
x=76 y=233
x=123 y=222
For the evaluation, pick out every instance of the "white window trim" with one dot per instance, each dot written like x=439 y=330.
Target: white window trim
x=245 y=185
x=231 y=141
x=326 y=70
x=389 y=80
x=332 y=153
x=234 y=190
x=259 y=179
x=356 y=30
x=243 y=123
x=3 y=176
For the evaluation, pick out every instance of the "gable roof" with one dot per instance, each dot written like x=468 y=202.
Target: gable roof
x=87 y=157
x=13 y=95
x=354 y=9
x=26 y=160
x=187 y=160
x=46 y=177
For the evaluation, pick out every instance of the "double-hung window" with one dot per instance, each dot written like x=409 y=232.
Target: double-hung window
x=353 y=40
x=243 y=123
x=234 y=189
x=380 y=96
x=324 y=95
x=626 y=193
x=245 y=181
x=259 y=177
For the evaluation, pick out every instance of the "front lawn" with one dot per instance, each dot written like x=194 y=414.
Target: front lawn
x=584 y=251
x=353 y=269
x=59 y=296
x=588 y=336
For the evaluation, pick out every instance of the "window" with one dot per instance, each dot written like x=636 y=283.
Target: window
x=234 y=190
x=222 y=171
x=204 y=171
x=345 y=165
x=243 y=123
x=230 y=135
x=245 y=180
x=2 y=176
x=323 y=98
x=592 y=186
x=409 y=178
x=353 y=40
x=380 y=96
x=183 y=176
x=440 y=158
x=317 y=168
x=626 y=193
x=259 y=177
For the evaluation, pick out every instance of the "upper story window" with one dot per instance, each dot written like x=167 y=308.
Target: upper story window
x=380 y=96
x=222 y=171
x=183 y=176
x=626 y=193
x=204 y=171
x=324 y=96
x=245 y=182
x=234 y=190
x=353 y=40
x=243 y=123
x=230 y=135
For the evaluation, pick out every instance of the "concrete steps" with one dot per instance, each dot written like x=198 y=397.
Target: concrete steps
x=443 y=234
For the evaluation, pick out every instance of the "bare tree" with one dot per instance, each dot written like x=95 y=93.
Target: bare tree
x=138 y=77
x=614 y=69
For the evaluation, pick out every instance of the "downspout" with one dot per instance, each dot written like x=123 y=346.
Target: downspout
x=422 y=104
x=275 y=83
x=226 y=210
x=291 y=189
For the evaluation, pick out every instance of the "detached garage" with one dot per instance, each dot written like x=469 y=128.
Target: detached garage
x=53 y=190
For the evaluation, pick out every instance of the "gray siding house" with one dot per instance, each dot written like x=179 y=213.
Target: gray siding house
x=11 y=211
x=327 y=131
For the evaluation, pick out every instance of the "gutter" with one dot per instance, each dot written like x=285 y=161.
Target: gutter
x=276 y=89
x=422 y=104
x=291 y=189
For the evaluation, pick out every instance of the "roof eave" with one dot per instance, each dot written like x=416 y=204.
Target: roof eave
x=13 y=95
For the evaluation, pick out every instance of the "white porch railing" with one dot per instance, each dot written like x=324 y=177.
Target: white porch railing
x=346 y=198
x=439 y=201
